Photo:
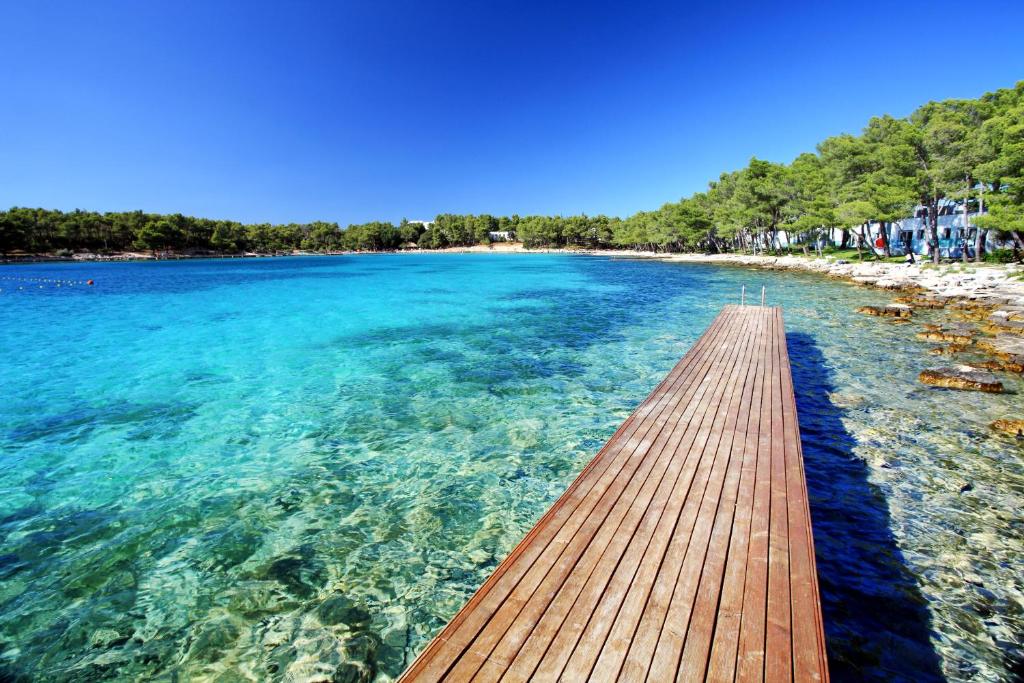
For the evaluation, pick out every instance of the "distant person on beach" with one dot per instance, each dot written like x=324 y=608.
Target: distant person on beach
x=909 y=260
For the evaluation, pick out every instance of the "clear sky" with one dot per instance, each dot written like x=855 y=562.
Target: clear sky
x=355 y=111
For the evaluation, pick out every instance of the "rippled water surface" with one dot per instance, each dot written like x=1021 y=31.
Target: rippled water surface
x=300 y=468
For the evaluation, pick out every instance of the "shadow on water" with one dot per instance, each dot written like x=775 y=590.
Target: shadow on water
x=876 y=621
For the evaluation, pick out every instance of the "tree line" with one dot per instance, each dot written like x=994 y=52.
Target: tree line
x=969 y=151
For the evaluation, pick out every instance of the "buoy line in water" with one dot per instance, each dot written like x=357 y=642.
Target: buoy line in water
x=43 y=282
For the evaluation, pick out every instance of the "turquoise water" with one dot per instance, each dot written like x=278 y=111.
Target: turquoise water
x=300 y=468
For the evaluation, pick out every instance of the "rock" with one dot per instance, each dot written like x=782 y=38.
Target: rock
x=340 y=609
x=962 y=377
x=971 y=306
x=970 y=315
x=1005 y=327
x=300 y=576
x=107 y=638
x=1013 y=364
x=974 y=579
x=921 y=302
x=1003 y=365
x=362 y=648
x=350 y=673
x=1005 y=346
x=954 y=334
x=846 y=400
x=947 y=350
x=895 y=282
x=1004 y=314
x=1010 y=426
x=890 y=311
x=213 y=640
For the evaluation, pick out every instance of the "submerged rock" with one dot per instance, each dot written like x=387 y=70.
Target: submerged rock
x=339 y=609
x=213 y=640
x=1010 y=426
x=953 y=334
x=1008 y=313
x=921 y=302
x=301 y=577
x=962 y=377
x=106 y=638
x=1016 y=366
x=1004 y=346
x=947 y=350
x=966 y=305
x=350 y=673
x=1004 y=327
x=970 y=315
x=890 y=311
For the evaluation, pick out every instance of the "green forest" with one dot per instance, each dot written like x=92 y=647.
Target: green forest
x=956 y=150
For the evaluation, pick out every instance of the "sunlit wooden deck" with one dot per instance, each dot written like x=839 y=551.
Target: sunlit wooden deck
x=683 y=551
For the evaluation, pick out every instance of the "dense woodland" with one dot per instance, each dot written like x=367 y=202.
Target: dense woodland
x=955 y=150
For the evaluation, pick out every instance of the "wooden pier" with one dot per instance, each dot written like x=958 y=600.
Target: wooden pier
x=683 y=551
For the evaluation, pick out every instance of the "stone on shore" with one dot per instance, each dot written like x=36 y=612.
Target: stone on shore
x=1016 y=366
x=918 y=301
x=899 y=282
x=890 y=311
x=953 y=334
x=962 y=377
x=1003 y=327
x=1008 y=313
x=1009 y=426
x=1005 y=346
x=947 y=350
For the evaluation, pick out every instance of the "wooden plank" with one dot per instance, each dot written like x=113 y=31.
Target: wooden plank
x=591 y=571
x=616 y=567
x=705 y=554
x=683 y=550
x=722 y=663
x=750 y=652
x=669 y=567
x=778 y=646
x=809 y=661
x=556 y=573
x=611 y=629
x=729 y=536
x=475 y=614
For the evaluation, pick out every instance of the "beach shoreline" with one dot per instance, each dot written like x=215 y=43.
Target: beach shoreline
x=986 y=282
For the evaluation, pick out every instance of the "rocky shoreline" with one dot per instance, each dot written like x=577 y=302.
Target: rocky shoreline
x=996 y=284
x=980 y=309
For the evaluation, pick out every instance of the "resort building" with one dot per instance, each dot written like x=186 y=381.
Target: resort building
x=911 y=234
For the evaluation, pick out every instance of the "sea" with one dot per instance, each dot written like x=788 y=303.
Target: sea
x=300 y=468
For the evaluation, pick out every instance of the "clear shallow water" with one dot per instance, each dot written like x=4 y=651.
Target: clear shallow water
x=300 y=468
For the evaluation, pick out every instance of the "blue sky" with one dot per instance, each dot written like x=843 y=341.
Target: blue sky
x=295 y=111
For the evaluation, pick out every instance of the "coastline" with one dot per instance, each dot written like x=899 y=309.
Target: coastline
x=993 y=284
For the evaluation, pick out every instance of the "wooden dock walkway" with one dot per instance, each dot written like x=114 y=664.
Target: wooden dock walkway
x=683 y=551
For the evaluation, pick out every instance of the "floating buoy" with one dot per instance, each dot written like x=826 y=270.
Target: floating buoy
x=89 y=282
